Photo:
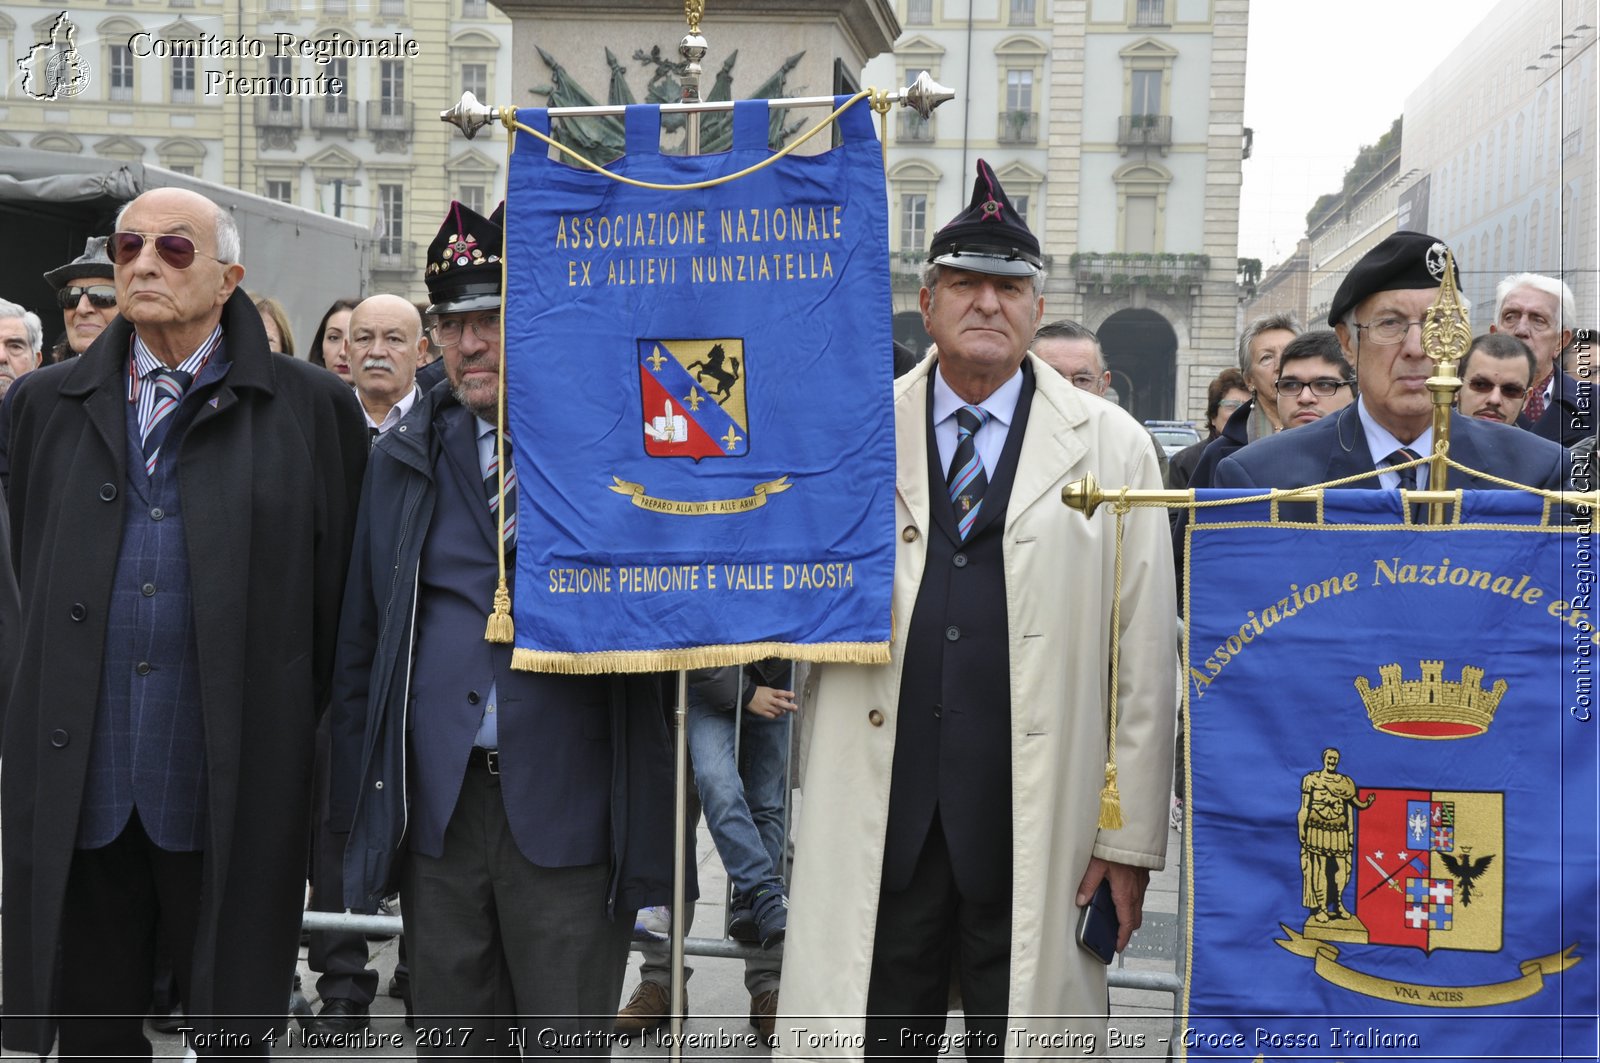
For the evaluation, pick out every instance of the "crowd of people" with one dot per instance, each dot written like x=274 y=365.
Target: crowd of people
x=242 y=632
x=1360 y=385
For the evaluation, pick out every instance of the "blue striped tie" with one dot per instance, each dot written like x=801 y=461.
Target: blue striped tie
x=967 y=479
x=491 y=485
x=169 y=384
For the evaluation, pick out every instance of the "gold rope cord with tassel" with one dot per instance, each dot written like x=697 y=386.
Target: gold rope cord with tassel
x=501 y=628
x=508 y=118
x=1110 y=799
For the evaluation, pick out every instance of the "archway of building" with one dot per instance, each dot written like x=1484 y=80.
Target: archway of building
x=909 y=331
x=1142 y=354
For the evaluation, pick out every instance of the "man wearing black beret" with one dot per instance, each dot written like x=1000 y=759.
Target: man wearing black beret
x=1378 y=314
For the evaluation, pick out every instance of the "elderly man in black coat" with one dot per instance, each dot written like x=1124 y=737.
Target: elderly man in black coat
x=182 y=502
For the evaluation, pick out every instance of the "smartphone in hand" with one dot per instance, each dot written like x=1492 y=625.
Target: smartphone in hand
x=1097 y=924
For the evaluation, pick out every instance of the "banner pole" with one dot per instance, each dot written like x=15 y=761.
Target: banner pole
x=470 y=114
x=693 y=49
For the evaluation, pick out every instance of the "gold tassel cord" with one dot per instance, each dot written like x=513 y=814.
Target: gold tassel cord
x=1110 y=798
x=501 y=628
x=508 y=116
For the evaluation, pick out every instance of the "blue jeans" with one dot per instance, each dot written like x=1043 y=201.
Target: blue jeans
x=743 y=799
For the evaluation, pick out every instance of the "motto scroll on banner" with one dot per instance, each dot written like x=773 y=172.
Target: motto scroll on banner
x=699 y=391
x=1392 y=780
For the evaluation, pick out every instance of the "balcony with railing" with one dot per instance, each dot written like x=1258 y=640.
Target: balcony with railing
x=278 y=112
x=912 y=128
x=1114 y=273
x=333 y=115
x=390 y=116
x=1018 y=127
x=393 y=253
x=1144 y=131
x=1150 y=13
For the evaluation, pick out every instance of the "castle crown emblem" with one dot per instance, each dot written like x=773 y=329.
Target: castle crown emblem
x=1431 y=707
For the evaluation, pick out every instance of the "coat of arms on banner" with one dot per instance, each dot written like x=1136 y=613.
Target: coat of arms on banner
x=693 y=398
x=1430 y=872
x=1421 y=865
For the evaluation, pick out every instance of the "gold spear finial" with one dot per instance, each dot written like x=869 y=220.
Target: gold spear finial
x=694 y=10
x=1446 y=335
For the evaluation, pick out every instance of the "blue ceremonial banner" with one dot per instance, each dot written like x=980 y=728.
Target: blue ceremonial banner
x=699 y=388
x=1392 y=784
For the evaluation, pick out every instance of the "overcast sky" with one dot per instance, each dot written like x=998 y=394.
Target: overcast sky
x=1321 y=81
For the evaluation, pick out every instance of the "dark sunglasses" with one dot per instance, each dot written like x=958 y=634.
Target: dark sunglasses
x=176 y=251
x=100 y=295
x=1483 y=385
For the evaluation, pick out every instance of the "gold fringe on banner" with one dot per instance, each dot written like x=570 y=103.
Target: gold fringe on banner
x=606 y=661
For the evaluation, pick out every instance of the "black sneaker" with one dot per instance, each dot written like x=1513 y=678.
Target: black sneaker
x=772 y=915
x=742 y=920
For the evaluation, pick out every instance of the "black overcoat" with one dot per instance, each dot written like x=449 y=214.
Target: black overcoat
x=269 y=475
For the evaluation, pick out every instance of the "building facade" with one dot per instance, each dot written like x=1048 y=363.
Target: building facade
x=1501 y=137
x=1284 y=288
x=178 y=84
x=1116 y=126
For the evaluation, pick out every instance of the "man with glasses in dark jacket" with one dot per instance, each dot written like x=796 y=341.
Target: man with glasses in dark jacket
x=524 y=816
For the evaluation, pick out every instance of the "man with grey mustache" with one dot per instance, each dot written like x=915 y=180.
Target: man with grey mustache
x=386 y=342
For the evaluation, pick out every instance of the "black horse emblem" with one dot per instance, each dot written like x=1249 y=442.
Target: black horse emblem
x=723 y=371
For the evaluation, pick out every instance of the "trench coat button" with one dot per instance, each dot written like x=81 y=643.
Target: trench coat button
x=157 y=513
x=148 y=590
x=875 y=718
x=472 y=697
x=108 y=492
x=960 y=561
x=952 y=633
x=59 y=738
x=79 y=612
x=938 y=710
x=909 y=534
x=143 y=668
x=378 y=785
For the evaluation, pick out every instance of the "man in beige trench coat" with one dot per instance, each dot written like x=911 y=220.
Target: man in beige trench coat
x=948 y=832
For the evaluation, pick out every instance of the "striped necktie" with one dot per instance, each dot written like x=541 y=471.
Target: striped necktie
x=169 y=385
x=967 y=479
x=491 y=487
x=1408 y=477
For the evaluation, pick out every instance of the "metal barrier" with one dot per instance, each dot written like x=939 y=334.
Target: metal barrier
x=721 y=948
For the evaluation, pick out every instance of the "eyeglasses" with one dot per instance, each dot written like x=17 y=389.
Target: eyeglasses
x=1084 y=381
x=1483 y=385
x=100 y=295
x=1322 y=387
x=1389 y=330
x=448 y=330
x=176 y=251
x=1231 y=404
x=1536 y=322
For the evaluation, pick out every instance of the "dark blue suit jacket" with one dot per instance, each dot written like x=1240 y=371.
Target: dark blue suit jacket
x=1569 y=416
x=1336 y=447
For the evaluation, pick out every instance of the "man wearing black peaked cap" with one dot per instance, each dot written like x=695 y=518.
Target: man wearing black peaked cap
x=954 y=819
x=525 y=817
x=1378 y=314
